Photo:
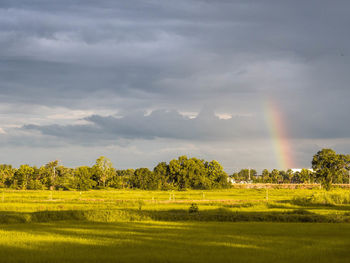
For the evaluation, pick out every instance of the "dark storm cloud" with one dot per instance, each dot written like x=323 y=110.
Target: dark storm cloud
x=133 y=48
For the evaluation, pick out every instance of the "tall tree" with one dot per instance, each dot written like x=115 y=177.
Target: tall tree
x=162 y=173
x=103 y=170
x=216 y=174
x=51 y=170
x=328 y=165
x=266 y=176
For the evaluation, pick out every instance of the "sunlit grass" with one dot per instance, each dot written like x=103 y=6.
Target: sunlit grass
x=156 y=226
x=119 y=195
x=174 y=242
x=291 y=205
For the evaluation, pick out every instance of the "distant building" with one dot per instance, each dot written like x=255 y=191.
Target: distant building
x=231 y=180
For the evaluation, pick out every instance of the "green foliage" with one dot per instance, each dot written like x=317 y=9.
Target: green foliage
x=288 y=176
x=103 y=170
x=83 y=178
x=193 y=208
x=182 y=174
x=276 y=176
x=121 y=179
x=161 y=173
x=51 y=174
x=326 y=198
x=266 y=176
x=216 y=174
x=246 y=175
x=23 y=175
x=143 y=178
x=196 y=174
x=329 y=166
x=6 y=175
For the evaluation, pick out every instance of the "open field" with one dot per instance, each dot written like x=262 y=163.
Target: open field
x=156 y=226
x=291 y=205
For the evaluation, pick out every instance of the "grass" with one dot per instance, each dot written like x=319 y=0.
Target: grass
x=282 y=205
x=174 y=242
x=122 y=195
x=232 y=225
x=325 y=198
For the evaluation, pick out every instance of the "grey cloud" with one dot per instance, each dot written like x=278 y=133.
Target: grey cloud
x=205 y=127
x=155 y=48
x=159 y=124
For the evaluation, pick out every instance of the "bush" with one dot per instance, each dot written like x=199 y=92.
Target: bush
x=326 y=198
x=193 y=208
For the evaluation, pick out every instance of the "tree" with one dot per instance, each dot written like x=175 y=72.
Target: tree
x=83 y=178
x=193 y=173
x=161 y=172
x=144 y=179
x=276 y=177
x=288 y=176
x=35 y=181
x=196 y=174
x=6 y=175
x=103 y=170
x=51 y=170
x=305 y=176
x=125 y=176
x=65 y=178
x=177 y=173
x=266 y=176
x=328 y=165
x=247 y=175
x=346 y=170
x=216 y=175
x=23 y=175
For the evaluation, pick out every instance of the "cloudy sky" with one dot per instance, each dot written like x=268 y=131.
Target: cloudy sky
x=146 y=81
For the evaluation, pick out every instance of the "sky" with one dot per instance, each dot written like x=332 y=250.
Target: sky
x=252 y=84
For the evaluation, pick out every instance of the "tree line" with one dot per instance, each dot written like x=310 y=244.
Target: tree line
x=328 y=168
x=179 y=174
x=304 y=176
x=275 y=176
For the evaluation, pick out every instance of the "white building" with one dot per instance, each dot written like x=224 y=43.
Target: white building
x=231 y=180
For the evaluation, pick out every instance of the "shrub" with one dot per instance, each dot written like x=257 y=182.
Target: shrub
x=193 y=208
x=326 y=198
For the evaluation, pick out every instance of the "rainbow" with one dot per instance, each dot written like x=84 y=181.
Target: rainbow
x=279 y=136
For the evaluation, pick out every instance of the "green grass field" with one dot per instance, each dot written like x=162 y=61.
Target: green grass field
x=175 y=242
x=305 y=225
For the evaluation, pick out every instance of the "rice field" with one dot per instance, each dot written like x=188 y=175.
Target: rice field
x=233 y=225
